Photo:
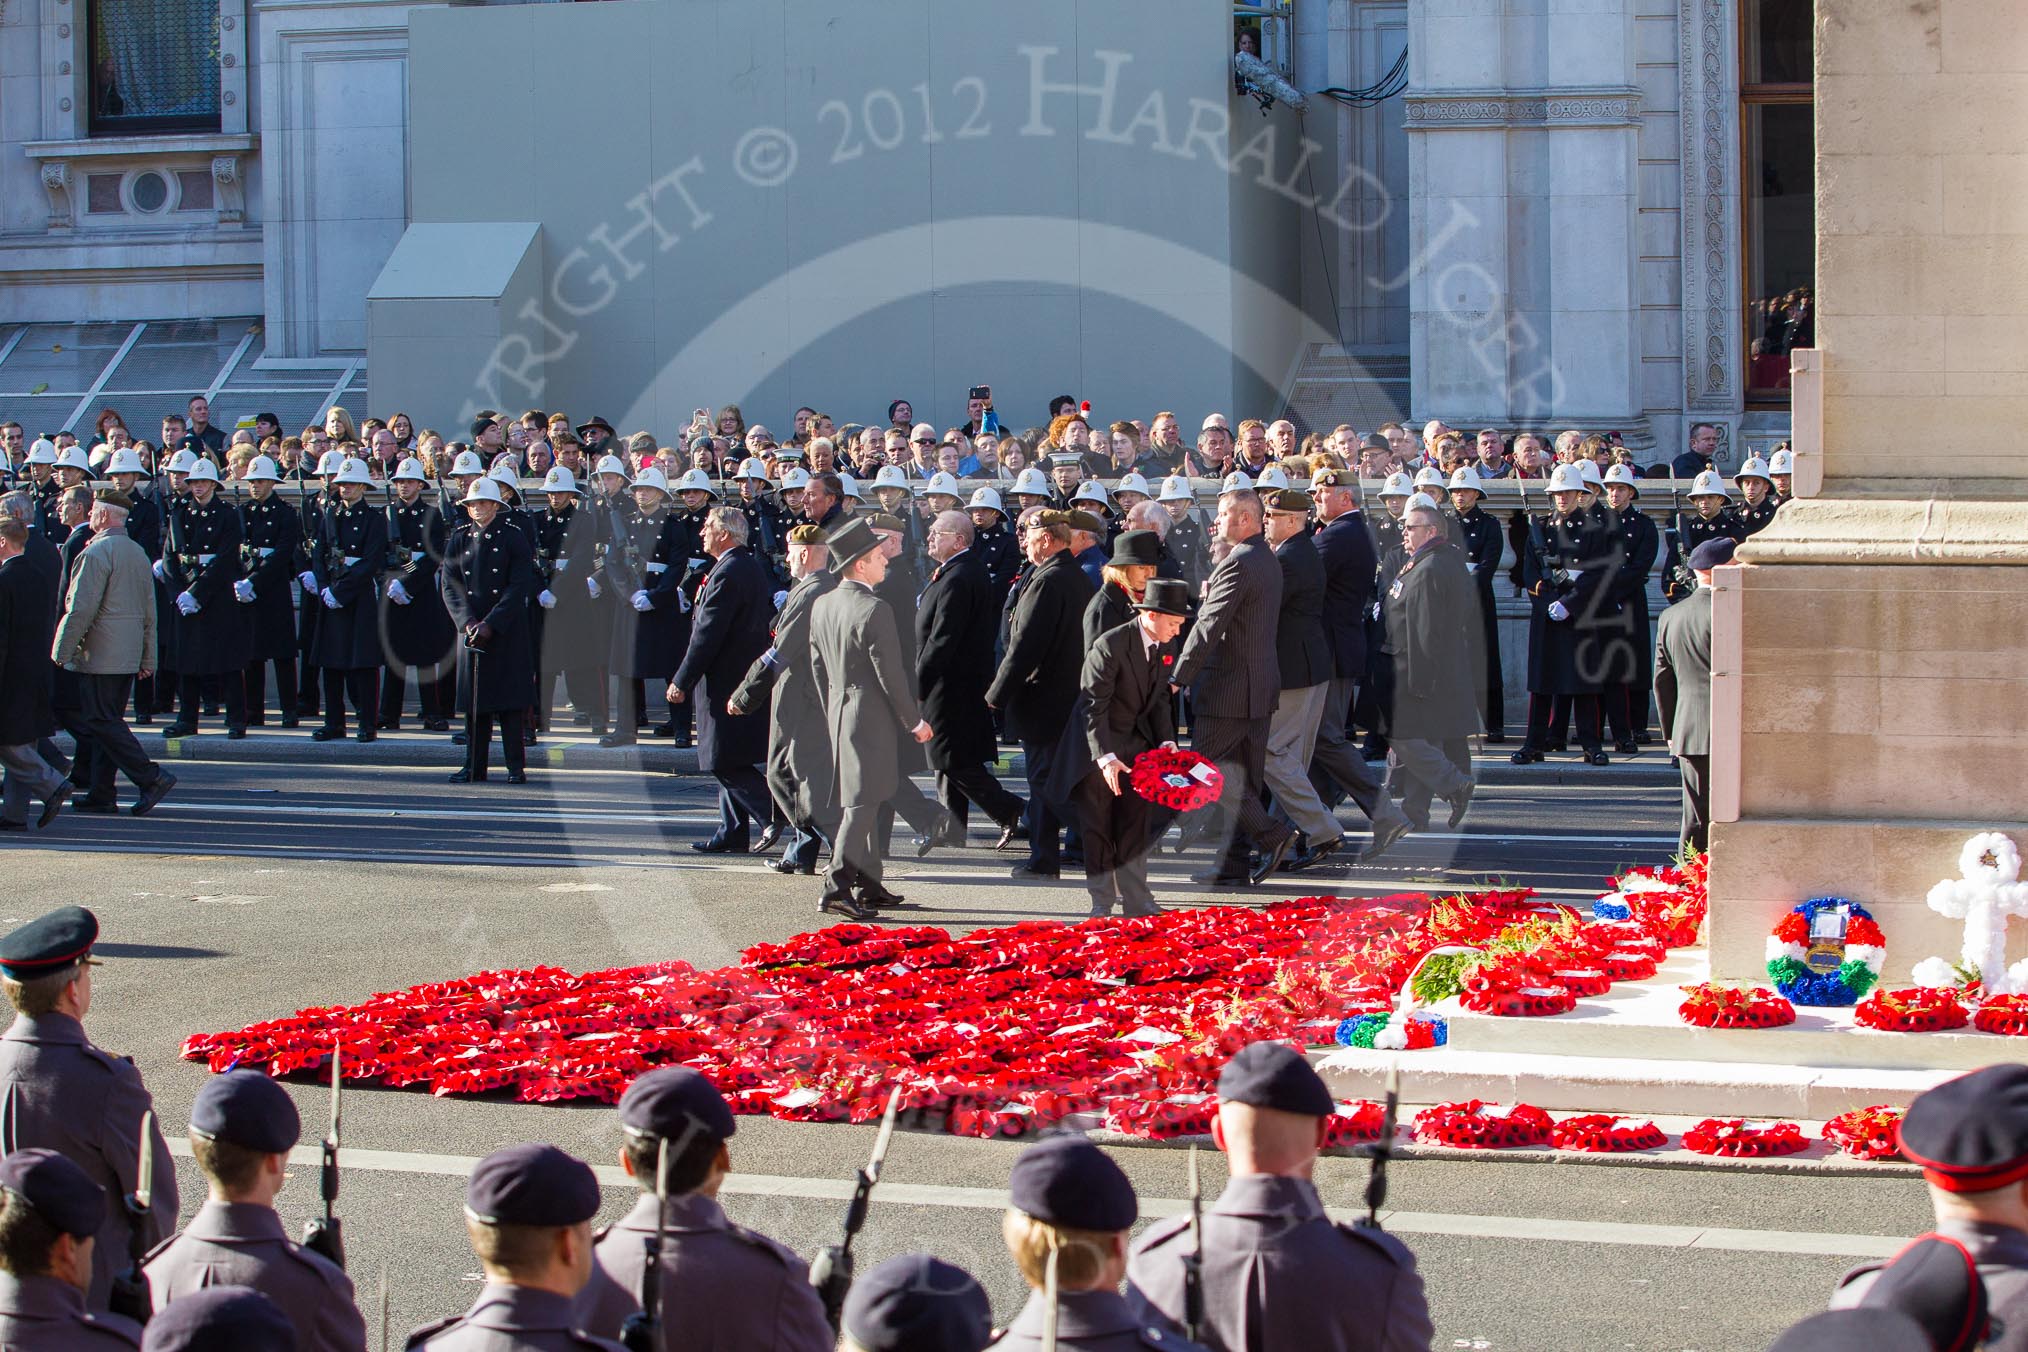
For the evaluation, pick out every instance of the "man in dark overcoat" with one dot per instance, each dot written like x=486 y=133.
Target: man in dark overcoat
x=728 y=630
x=488 y=581
x=955 y=623
x=1433 y=638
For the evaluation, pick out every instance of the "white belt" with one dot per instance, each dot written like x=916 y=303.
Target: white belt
x=265 y=553
x=562 y=564
x=353 y=560
x=417 y=555
x=204 y=560
x=658 y=567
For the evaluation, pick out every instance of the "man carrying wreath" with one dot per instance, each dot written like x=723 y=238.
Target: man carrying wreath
x=1123 y=710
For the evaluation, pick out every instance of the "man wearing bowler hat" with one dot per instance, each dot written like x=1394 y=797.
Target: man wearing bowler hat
x=52 y=1213
x=1683 y=687
x=705 y=1257
x=1123 y=710
x=60 y=1092
x=242 y=1127
x=528 y=1211
x=1277 y=1271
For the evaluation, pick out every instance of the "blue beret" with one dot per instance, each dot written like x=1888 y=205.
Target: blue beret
x=246 y=1108
x=220 y=1319
x=672 y=1102
x=531 y=1185
x=1066 y=1180
x=1971 y=1134
x=49 y=943
x=1275 y=1075
x=916 y=1303
x=1854 y=1331
x=1935 y=1281
x=56 y=1189
x=1712 y=554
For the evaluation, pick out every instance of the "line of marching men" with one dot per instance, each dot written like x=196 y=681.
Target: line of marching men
x=89 y=1252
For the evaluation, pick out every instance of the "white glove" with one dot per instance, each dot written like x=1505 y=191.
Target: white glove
x=243 y=589
x=308 y=579
x=641 y=601
x=591 y=584
x=1376 y=610
x=545 y=599
x=780 y=597
x=398 y=593
x=1472 y=568
x=330 y=600
x=161 y=571
x=1558 y=611
x=187 y=603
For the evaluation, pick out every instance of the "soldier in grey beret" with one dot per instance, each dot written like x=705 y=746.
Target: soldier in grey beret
x=50 y=1215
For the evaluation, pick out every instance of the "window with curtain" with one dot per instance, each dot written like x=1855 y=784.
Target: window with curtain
x=1778 y=191
x=154 y=66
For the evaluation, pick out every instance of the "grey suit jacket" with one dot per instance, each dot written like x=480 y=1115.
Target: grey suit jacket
x=1683 y=673
x=1229 y=658
x=868 y=689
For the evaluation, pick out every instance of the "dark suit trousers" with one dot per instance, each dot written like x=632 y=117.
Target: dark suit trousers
x=1542 y=720
x=1696 y=772
x=479 y=744
x=1045 y=846
x=1495 y=704
x=102 y=702
x=1336 y=767
x=434 y=696
x=362 y=685
x=256 y=678
x=742 y=800
x=1238 y=747
x=189 y=698
x=968 y=784
x=1116 y=843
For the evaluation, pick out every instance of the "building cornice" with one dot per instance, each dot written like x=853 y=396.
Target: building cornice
x=1597 y=106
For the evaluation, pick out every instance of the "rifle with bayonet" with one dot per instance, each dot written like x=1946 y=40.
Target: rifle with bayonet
x=1383 y=1149
x=130 y=1295
x=642 y=1331
x=831 y=1274
x=324 y=1234
x=1193 y=1262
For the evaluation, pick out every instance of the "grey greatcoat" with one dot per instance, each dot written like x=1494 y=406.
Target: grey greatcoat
x=244 y=1244
x=799 y=734
x=61 y=1093
x=1278 y=1273
x=2002 y=1255
x=511 y=1319
x=724 y=1287
x=1683 y=673
x=868 y=689
x=1433 y=635
x=49 y=1312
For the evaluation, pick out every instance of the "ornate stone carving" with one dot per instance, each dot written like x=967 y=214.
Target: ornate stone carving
x=1711 y=306
x=231 y=193
x=56 y=183
x=1498 y=108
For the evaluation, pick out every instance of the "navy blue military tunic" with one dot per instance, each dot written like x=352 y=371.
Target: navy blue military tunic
x=347 y=556
x=419 y=634
x=202 y=557
x=271 y=533
x=489 y=577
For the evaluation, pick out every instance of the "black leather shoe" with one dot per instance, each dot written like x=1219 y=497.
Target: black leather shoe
x=876 y=895
x=1598 y=758
x=327 y=734
x=613 y=739
x=153 y=794
x=1099 y=910
x=1270 y=859
x=682 y=741
x=367 y=734
x=235 y=734
x=718 y=847
x=1496 y=739
x=924 y=844
x=1312 y=855
x=663 y=730
x=1384 y=837
x=12 y=826
x=517 y=776
x=1461 y=804
x=785 y=866
x=1009 y=835
x=436 y=725
x=1627 y=749
x=54 y=804
x=465 y=776
x=459 y=739
x=1023 y=873
x=180 y=729
x=847 y=905
x=97 y=806
x=770 y=834
x=1525 y=756
x=292 y=722
x=530 y=739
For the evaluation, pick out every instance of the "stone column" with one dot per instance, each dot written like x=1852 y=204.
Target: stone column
x=1870 y=689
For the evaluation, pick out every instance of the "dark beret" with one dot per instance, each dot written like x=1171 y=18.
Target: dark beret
x=531 y=1185
x=49 y=943
x=220 y=1319
x=1935 y=1281
x=1854 y=1331
x=1971 y=1134
x=1275 y=1075
x=1289 y=500
x=1137 y=549
x=248 y=1109
x=1068 y=1181
x=1084 y=521
x=916 y=1303
x=479 y=426
x=886 y=521
x=1712 y=554
x=1336 y=478
x=673 y=1101
x=806 y=534
x=55 y=1189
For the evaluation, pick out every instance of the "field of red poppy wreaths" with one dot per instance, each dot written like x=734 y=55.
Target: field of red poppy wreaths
x=995 y=1033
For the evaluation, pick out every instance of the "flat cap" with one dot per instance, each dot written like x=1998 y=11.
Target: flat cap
x=1289 y=500
x=531 y=1185
x=1854 y=1331
x=246 y=1108
x=1275 y=1075
x=113 y=497
x=1085 y=522
x=220 y=1319
x=916 y=1303
x=56 y=1189
x=671 y=1102
x=1971 y=1134
x=1068 y=1181
x=1935 y=1281
x=49 y=943
x=1712 y=554
x=1137 y=549
x=806 y=534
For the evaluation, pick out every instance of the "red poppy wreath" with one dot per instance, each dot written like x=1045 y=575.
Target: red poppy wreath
x=1181 y=780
